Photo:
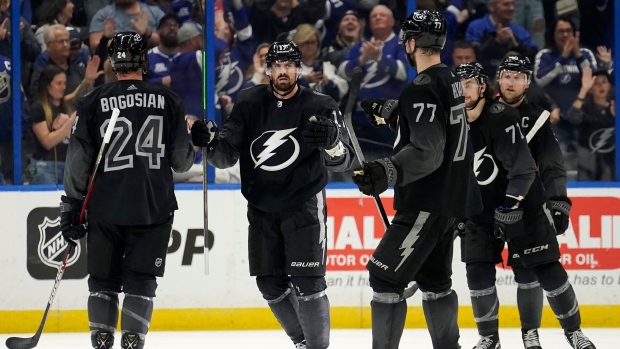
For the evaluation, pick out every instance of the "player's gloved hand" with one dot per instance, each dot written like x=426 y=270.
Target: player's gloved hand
x=321 y=132
x=379 y=111
x=560 y=211
x=375 y=177
x=69 y=218
x=203 y=133
x=508 y=223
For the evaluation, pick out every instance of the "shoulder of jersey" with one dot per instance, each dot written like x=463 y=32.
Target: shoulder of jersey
x=252 y=93
x=505 y=112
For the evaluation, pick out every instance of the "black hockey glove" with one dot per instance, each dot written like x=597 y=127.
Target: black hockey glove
x=560 y=211
x=508 y=223
x=69 y=218
x=321 y=132
x=375 y=177
x=379 y=111
x=204 y=133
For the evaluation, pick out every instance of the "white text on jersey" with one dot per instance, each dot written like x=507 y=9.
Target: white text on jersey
x=148 y=100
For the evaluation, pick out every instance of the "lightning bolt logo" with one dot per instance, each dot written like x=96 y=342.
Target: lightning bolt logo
x=412 y=237
x=226 y=76
x=277 y=139
x=604 y=135
x=478 y=159
x=371 y=72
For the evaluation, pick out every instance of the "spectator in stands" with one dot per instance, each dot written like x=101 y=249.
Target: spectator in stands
x=496 y=34
x=78 y=54
x=256 y=73
x=51 y=119
x=463 y=52
x=186 y=70
x=595 y=119
x=29 y=47
x=52 y=12
x=596 y=23
x=79 y=79
x=350 y=30
x=109 y=30
x=6 y=122
x=336 y=12
x=383 y=61
x=130 y=15
x=273 y=18
x=162 y=56
x=530 y=15
x=557 y=69
x=315 y=73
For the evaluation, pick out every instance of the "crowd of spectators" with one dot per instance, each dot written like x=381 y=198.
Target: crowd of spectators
x=64 y=55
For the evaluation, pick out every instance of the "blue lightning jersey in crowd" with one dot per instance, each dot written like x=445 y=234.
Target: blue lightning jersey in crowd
x=383 y=79
x=186 y=81
x=231 y=69
x=159 y=64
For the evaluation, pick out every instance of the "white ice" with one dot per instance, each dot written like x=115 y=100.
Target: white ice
x=551 y=338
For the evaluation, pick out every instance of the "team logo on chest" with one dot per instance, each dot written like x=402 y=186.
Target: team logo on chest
x=279 y=104
x=276 y=150
x=482 y=168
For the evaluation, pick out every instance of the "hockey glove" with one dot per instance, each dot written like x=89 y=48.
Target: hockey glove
x=204 y=133
x=69 y=218
x=508 y=223
x=375 y=177
x=560 y=210
x=379 y=111
x=321 y=132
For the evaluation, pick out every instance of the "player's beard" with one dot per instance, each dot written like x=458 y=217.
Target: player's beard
x=412 y=61
x=511 y=100
x=284 y=87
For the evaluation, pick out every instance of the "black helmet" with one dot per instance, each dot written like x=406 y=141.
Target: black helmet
x=128 y=52
x=283 y=51
x=428 y=28
x=470 y=70
x=516 y=63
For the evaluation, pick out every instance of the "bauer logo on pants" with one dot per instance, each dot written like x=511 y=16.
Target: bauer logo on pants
x=46 y=247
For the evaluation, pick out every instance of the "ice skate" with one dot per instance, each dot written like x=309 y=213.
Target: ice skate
x=301 y=345
x=578 y=340
x=530 y=339
x=489 y=342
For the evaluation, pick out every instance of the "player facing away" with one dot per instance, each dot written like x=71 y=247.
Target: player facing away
x=132 y=204
x=286 y=138
x=434 y=184
x=516 y=212
x=514 y=76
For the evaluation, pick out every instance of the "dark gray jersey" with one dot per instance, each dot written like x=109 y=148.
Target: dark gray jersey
x=134 y=183
x=503 y=164
x=433 y=153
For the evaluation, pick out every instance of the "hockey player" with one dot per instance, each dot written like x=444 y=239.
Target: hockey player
x=515 y=211
x=433 y=184
x=514 y=77
x=286 y=137
x=132 y=204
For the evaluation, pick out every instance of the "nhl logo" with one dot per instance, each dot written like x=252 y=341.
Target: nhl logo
x=52 y=244
x=158 y=262
x=279 y=104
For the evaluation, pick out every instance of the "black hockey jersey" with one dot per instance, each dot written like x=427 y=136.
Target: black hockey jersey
x=545 y=150
x=502 y=163
x=278 y=169
x=134 y=183
x=433 y=154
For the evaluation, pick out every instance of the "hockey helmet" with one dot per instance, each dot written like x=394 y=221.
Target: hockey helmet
x=128 y=52
x=470 y=70
x=283 y=51
x=517 y=64
x=428 y=28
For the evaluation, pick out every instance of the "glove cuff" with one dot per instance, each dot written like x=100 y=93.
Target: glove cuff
x=561 y=205
x=389 y=109
x=68 y=204
x=390 y=170
x=336 y=151
x=508 y=215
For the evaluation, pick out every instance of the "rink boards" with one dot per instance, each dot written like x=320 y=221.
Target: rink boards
x=227 y=298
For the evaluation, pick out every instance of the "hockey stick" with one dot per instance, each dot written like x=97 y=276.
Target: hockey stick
x=354 y=88
x=31 y=342
x=409 y=291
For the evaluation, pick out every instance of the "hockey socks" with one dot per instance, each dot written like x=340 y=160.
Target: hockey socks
x=135 y=320
x=389 y=312
x=314 y=320
x=441 y=313
x=286 y=308
x=530 y=304
x=560 y=294
x=103 y=318
x=485 y=305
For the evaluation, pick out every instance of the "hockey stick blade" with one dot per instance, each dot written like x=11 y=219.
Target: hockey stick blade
x=354 y=89
x=31 y=342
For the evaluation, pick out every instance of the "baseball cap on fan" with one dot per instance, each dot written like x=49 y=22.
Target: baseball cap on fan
x=189 y=30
